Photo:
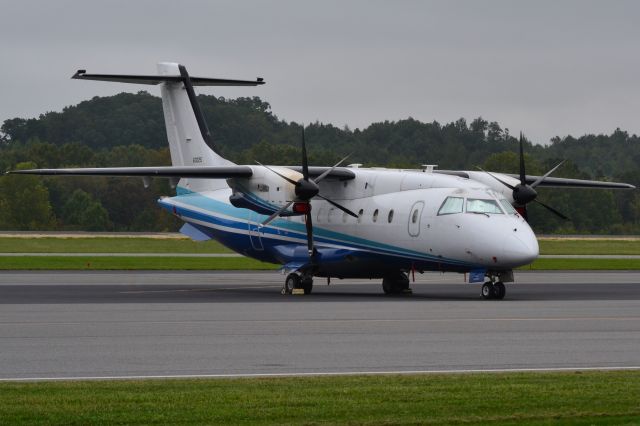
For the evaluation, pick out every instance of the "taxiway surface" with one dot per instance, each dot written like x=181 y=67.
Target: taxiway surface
x=142 y=324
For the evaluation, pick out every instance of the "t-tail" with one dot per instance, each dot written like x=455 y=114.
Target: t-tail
x=190 y=140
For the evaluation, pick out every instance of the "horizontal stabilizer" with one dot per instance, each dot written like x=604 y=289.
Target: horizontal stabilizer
x=157 y=79
x=214 y=172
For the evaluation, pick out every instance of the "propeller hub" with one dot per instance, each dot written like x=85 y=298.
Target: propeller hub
x=523 y=194
x=306 y=189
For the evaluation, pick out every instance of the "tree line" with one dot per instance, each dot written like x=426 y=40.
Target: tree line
x=128 y=130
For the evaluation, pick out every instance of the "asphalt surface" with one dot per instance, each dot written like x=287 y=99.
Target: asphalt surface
x=143 y=324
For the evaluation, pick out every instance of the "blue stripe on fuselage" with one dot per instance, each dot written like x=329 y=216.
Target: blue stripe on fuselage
x=240 y=242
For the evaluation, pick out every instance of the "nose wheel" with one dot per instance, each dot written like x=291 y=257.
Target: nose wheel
x=495 y=290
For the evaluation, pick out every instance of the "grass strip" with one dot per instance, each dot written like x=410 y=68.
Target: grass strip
x=567 y=246
x=579 y=398
x=584 y=264
x=109 y=245
x=131 y=263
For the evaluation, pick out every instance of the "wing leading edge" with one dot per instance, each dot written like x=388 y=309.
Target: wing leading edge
x=550 y=182
x=194 y=172
x=556 y=182
x=217 y=172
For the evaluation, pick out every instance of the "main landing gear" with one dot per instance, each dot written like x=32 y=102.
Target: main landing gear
x=491 y=290
x=296 y=281
x=396 y=284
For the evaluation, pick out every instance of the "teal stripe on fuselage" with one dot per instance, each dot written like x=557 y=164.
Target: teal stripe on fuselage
x=320 y=234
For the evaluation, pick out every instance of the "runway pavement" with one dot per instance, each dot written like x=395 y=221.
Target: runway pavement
x=143 y=324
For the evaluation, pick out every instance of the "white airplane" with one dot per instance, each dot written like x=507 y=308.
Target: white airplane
x=338 y=222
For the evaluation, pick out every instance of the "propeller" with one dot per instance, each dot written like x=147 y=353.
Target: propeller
x=524 y=193
x=305 y=189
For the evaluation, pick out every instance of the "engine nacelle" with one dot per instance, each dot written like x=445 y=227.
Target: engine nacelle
x=264 y=192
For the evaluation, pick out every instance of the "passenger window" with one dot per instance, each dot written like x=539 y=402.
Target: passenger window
x=390 y=217
x=375 y=215
x=451 y=205
x=360 y=213
x=414 y=217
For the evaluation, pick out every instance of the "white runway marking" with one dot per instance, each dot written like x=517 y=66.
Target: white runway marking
x=320 y=374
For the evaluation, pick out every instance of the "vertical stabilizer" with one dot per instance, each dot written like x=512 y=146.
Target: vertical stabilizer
x=190 y=141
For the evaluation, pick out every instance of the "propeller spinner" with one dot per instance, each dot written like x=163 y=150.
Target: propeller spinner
x=524 y=193
x=306 y=189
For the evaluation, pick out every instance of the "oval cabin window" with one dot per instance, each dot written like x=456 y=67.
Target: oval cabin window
x=375 y=215
x=390 y=217
x=414 y=217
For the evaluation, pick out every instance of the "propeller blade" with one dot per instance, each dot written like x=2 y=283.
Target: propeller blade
x=333 y=203
x=309 y=226
x=305 y=163
x=523 y=180
x=276 y=214
x=291 y=181
x=552 y=210
x=546 y=175
x=497 y=178
x=322 y=176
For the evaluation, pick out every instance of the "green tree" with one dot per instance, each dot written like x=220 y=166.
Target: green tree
x=85 y=213
x=24 y=202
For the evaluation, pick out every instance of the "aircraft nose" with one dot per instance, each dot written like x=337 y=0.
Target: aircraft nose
x=520 y=248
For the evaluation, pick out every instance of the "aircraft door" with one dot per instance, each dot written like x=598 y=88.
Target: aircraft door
x=415 y=215
x=255 y=231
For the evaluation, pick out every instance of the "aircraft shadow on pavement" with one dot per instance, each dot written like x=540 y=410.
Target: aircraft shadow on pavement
x=73 y=294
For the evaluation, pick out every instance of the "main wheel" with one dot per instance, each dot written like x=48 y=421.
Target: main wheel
x=391 y=286
x=487 y=291
x=395 y=284
x=292 y=281
x=307 y=284
x=499 y=290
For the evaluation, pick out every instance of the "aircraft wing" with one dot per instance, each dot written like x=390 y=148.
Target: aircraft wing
x=550 y=182
x=220 y=172
x=556 y=182
x=202 y=172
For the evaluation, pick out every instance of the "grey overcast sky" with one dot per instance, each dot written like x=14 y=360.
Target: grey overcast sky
x=544 y=67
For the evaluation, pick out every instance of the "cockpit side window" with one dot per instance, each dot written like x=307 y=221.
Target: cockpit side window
x=506 y=205
x=451 y=205
x=475 y=205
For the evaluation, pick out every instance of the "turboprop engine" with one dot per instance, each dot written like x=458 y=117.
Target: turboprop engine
x=264 y=192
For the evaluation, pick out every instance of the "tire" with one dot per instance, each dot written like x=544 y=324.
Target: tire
x=499 y=290
x=292 y=281
x=307 y=284
x=394 y=285
x=487 y=291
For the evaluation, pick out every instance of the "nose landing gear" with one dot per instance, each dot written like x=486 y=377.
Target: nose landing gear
x=491 y=290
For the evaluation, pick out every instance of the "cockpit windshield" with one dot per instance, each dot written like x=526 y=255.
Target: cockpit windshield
x=506 y=205
x=451 y=205
x=487 y=206
x=475 y=205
